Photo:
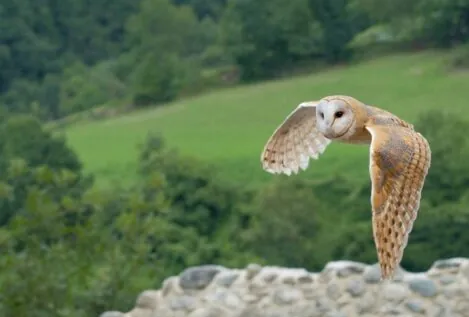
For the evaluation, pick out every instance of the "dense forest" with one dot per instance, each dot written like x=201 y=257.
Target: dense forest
x=69 y=248
x=63 y=57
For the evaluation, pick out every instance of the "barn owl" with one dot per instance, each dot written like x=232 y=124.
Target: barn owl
x=399 y=162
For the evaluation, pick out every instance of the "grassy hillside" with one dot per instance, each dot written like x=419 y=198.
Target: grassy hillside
x=230 y=127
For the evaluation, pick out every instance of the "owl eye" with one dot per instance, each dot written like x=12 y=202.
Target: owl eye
x=339 y=114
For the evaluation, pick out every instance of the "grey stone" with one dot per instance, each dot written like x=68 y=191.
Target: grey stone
x=258 y=287
x=324 y=305
x=232 y=301
x=356 y=287
x=184 y=302
x=310 y=292
x=112 y=314
x=333 y=291
x=252 y=311
x=447 y=279
x=249 y=298
x=395 y=292
x=286 y=296
x=454 y=291
x=366 y=304
x=226 y=279
x=443 y=311
x=325 y=276
x=464 y=270
x=168 y=285
x=198 y=277
x=288 y=280
x=252 y=270
x=161 y=312
x=448 y=263
x=305 y=279
x=217 y=296
x=270 y=277
x=200 y=312
x=423 y=286
x=346 y=268
x=208 y=312
x=224 y=298
x=392 y=310
x=372 y=274
x=462 y=307
x=415 y=306
x=147 y=300
x=304 y=309
x=336 y=314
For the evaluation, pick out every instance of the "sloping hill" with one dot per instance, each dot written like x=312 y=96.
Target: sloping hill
x=229 y=127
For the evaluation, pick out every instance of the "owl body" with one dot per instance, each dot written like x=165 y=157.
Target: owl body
x=399 y=161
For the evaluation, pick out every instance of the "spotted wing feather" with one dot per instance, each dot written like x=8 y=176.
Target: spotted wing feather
x=399 y=162
x=294 y=142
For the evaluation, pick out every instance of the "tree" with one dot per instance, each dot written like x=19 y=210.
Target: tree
x=448 y=176
x=164 y=38
x=340 y=22
x=29 y=156
x=23 y=136
x=279 y=34
x=204 y=8
x=294 y=224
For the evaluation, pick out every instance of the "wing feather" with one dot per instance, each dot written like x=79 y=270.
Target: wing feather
x=294 y=142
x=399 y=161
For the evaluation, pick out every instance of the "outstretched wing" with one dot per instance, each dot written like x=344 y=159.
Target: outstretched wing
x=294 y=142
x=399 y=162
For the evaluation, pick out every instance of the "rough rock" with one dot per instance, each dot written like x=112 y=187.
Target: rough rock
x=198 y=277
x=424 y=286
x=112 y=314
x=341 y=289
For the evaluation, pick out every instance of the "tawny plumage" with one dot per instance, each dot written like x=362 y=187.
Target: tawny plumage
x=399 y=161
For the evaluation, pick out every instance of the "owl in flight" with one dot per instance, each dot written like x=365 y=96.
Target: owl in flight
x=399 y=162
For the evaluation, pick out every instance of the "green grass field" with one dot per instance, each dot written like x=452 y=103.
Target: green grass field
x=230 y=127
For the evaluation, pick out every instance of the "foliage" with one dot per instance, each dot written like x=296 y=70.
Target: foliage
x=157 y=79
x=77 y=253
x=23 y=136
x=64 y=57
x=29 y=157
x=84 y=88
x=286 y=227
x=39 y=40
x=440 y=23
x=448 y=177
x=279 y=34
x=73 y=249
x=72 y=255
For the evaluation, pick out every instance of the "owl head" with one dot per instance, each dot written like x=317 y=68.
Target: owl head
x=336 y=117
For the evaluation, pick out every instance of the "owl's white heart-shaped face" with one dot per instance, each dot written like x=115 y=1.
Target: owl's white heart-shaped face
x=335 y=118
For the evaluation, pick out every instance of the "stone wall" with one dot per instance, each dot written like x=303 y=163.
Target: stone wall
x=341 y=289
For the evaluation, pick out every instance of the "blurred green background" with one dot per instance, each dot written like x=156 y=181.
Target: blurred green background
x=131 y=134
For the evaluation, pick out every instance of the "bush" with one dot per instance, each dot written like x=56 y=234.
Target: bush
x=157 y=79
x=448 y=176
x=84 y=88
x=30 y=157
x=460 y=58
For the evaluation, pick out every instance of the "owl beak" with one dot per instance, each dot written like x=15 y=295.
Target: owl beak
x=329 y=124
